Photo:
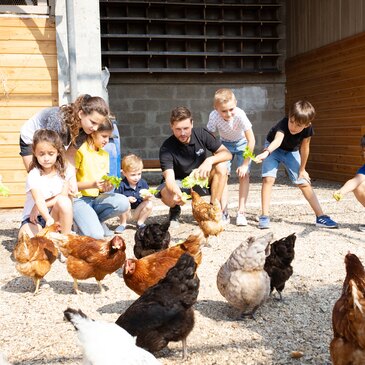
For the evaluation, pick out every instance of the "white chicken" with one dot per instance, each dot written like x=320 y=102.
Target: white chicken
x=242 y=279
x=107 y=343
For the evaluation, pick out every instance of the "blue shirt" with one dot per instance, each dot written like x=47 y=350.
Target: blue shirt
x=127 y=190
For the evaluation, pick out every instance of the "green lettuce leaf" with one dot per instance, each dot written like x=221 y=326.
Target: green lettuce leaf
x=114 y=180
x=189 y=181
x=247 y=153
x=4 y=191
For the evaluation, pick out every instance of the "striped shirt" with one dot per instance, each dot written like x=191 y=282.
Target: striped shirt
x=229 y=131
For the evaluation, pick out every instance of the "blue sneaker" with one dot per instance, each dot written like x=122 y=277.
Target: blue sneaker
x=119 y=229
x=264 y=222
x=326 y=222
x=139 y=226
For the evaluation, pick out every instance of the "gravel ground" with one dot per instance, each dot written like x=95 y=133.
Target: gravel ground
x=33 y=330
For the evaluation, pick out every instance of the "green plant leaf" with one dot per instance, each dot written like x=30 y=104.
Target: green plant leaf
x=114 y=180
x=4 y=191
x=247 y=153
x=190 y=181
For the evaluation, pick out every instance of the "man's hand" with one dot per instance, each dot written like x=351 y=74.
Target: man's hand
x=204 y=169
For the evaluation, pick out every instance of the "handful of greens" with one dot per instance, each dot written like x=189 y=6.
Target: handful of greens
x=185 y=197
x=4 y=191
x=146 y=192
x=337 y=196
x=247 y=153
x=114 y=180
x=191 y=180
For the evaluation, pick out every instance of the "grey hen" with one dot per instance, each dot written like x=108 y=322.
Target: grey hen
x=152 y=238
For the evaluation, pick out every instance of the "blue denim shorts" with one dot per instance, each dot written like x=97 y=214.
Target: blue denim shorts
x=236 y=148
x=361 y=170
x=291 y=162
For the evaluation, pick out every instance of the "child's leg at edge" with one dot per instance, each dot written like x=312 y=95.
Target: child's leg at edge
x=143 y=211
x=243 y=193
x=359 y=193
x=266 y=188
x=312 y=199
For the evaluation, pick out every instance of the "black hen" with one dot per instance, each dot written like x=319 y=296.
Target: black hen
x=164 y=312
x=278 y=263
x=151 y=238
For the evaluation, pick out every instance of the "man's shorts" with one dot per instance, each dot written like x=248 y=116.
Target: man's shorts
x=40 y=220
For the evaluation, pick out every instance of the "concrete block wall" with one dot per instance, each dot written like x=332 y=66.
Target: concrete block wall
x=142 y=106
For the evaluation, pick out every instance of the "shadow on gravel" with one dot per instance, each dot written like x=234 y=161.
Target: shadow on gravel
x=10 y=238
x=55 y=360
x=117 y=307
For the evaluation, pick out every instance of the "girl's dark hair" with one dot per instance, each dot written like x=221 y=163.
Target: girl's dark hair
x=53 y=138
x=105 y=126
x=86 y=103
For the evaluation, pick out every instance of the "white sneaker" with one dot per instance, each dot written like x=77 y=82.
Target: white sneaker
x=225 y=218
x=241 y=220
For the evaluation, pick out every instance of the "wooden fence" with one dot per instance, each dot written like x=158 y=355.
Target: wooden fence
x=28 y=71
x=332 y=78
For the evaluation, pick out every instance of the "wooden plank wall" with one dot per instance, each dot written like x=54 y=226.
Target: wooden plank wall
x=28 y=70
x=315 y=23
x=332 y=78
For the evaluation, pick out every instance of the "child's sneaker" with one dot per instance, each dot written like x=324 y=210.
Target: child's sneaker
x=120 y=229
x=225 y=218
x=264 y=222
x=241 y=219
x=362 y=227
x=326 y=222
x=140 y=225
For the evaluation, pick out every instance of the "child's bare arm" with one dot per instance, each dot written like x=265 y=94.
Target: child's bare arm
x=42 y=207
x=276 y=143
x=352 y=184
x=304 y=153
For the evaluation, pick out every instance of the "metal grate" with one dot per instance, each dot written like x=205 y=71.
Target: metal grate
x=19 y=2
x=218 y=36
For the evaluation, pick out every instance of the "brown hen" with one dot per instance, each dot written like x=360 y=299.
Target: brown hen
x=141 y=274
x=348 y=317
x=35 y=255
x=208 y=216
x=88 y=257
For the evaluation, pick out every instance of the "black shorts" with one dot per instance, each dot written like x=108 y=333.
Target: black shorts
x=201 y=191
x=25 y=149
x=40 y=220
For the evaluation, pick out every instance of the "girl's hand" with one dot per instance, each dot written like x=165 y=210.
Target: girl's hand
x=242 y=171
x=104 y=186
x=132 y=199
x=34 y=213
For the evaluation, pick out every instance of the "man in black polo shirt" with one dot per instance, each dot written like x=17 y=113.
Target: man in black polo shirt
x=187 y=149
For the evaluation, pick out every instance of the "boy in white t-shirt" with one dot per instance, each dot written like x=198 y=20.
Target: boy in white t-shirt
x=236 y=133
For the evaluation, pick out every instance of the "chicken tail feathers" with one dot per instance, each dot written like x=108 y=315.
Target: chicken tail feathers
x=74 y=316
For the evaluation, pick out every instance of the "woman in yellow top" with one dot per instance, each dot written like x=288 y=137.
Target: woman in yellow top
x=98 y=201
